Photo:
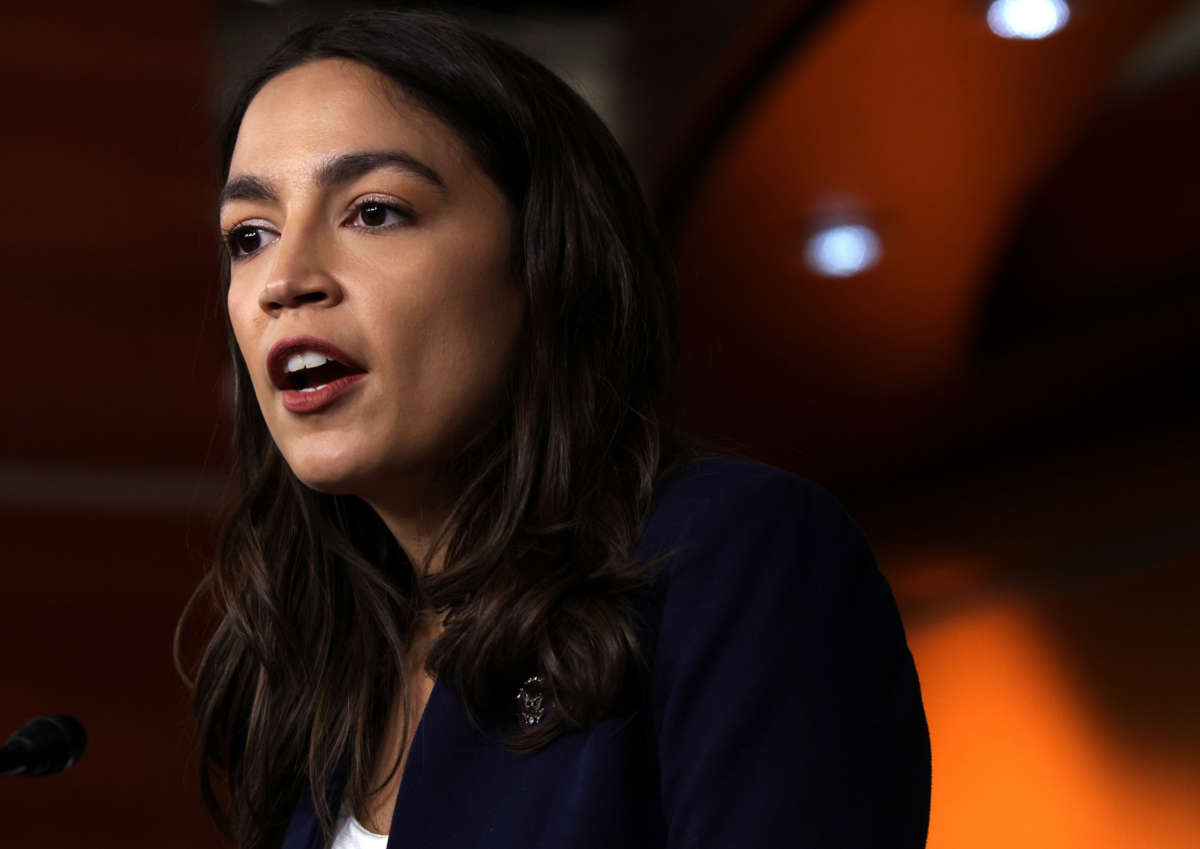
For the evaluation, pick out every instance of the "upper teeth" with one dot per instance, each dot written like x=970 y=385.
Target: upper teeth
x=305 y=359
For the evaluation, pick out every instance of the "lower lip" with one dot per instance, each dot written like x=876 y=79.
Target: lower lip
x=319 y=399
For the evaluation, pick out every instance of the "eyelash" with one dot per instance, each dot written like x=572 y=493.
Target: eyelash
x=230 y=237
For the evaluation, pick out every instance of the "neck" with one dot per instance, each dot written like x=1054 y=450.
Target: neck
x=414 y=520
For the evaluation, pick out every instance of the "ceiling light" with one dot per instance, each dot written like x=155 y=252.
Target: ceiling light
x=1027 y=18
x=843 y=250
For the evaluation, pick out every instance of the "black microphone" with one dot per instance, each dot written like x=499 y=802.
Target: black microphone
x=43 y=746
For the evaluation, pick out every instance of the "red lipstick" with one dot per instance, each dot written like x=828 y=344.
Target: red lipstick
x=312 y=401
x=315 y=386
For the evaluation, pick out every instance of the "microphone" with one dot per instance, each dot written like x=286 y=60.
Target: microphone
x=43 y=746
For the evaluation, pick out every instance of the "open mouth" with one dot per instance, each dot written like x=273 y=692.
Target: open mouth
x=303 y=377
x=306 y=363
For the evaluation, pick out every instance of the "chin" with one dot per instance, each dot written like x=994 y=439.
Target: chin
x=364 y=477
x=332 y=476
x=328 y=487
x=348 y=464
x=328 y=484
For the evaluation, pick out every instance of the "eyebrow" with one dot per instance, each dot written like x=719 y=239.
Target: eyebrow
x=336 y=171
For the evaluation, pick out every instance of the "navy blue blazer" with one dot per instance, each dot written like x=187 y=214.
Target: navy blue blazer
x=784 y=709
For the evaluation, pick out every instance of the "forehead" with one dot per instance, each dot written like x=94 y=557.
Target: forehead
x=331 y=106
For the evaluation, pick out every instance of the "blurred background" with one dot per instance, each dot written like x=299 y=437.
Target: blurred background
x=940 y=256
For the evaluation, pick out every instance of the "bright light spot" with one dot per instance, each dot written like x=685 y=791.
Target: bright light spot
x=842 y=251
x=1027 y=18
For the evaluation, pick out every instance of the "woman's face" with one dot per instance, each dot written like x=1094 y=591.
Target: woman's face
x=370 y=292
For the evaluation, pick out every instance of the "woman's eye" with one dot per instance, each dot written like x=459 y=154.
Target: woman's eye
x=245 y=240
x=375 y=214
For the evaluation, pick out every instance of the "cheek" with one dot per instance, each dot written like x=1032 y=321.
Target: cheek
x=236 y=312
x=465 y=346
x=485 y=339
x=244 y=321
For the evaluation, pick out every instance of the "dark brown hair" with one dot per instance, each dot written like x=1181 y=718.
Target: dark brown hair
x=315 y=601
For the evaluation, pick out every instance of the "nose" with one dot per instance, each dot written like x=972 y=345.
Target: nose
x=299 y=276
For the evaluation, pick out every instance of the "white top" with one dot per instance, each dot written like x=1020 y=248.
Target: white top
x=351 y=835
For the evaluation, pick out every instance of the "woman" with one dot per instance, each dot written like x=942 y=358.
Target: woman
x=478 y=591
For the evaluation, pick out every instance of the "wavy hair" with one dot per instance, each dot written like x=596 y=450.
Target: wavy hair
x=315 y=603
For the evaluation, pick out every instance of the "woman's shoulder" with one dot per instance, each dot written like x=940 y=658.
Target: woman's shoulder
x=718 y=511
x=780 y=666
